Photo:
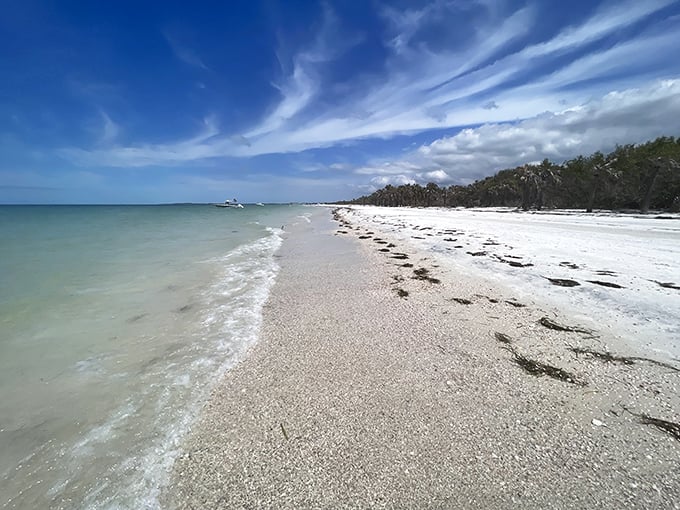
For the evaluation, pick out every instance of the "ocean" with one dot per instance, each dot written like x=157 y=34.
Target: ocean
x=115 y=323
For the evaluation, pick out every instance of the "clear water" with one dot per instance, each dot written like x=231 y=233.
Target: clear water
x=115 y=321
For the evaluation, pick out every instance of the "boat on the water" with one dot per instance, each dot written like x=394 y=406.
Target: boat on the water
x=260 y=204
x=233 y=204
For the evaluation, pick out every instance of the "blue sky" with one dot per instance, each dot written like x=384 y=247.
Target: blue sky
x=277 y=101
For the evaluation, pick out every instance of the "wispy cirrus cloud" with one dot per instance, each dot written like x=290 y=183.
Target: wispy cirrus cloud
x=298 y=88
x=183 y=52
x=109 y=130
x=499 y=75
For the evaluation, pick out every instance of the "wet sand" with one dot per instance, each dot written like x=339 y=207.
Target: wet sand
x=359 y=395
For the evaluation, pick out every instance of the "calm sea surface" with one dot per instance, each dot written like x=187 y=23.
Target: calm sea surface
x=115 y=322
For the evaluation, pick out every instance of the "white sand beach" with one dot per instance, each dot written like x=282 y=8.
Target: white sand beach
x=386 y=377
x=624 y=268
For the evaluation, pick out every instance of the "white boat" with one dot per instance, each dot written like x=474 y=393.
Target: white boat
x=233 y=204
x=260 y=204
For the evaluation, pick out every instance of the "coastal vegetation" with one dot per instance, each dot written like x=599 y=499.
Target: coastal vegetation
x=632 y=177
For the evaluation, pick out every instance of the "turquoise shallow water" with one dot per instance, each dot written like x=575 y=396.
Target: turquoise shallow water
x=115 y=321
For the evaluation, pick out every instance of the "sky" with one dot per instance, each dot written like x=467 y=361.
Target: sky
x=306 y=101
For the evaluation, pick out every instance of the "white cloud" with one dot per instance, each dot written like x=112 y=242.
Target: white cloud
x=437 y=176
x=394 y=180
x=629 y=116
x=419 y=89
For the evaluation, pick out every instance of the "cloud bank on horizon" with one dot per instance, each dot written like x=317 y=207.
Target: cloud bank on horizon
x=323 y=101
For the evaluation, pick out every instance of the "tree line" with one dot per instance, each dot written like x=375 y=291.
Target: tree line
x=642 y=177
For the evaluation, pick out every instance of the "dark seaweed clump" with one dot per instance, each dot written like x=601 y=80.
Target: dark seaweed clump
x=562 y=282
x=424 y=274
x=551 y=324
x=666 y=426
x=603 y=356
x=570 y=265
x=539 y=368
x=503 y=338
x=624 y=360
x=669 y=427
x=514 y=263
x=667 y=285
x=606 y=284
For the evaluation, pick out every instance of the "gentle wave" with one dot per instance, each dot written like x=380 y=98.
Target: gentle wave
x=141 y=381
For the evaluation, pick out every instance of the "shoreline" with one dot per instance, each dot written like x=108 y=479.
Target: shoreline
x=357 y=397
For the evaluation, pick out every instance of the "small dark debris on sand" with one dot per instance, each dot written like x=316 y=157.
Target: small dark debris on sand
x=391 y=245
x=551 y=324
x=184 y=308
x=538 y=369
x=364 y=237
x=402 y=293
x=384 y=250
x=476 y=253
x=400 y=256
x=424 y=274
x=450 y=240
x=605 y=273
x=561 y=282
x=461 y=301
x=408 y=264
x=667 y=285
x=570 y=265
x=341 y=232
x=515 y=303
x=502 y=337
x=417 y=237
x=607 y=284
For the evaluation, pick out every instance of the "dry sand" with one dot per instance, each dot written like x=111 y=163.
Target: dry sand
x=356 y=397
